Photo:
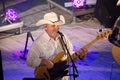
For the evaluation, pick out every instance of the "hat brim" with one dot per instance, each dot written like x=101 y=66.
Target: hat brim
x=43 y=21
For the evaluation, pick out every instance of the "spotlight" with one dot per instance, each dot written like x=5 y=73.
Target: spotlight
x=11 y=21
x=78 y=3
x=11 y=15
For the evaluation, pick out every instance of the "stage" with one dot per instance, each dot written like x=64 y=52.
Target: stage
x=99 y=63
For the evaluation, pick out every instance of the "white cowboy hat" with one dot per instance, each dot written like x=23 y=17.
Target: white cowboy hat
x=51 y=18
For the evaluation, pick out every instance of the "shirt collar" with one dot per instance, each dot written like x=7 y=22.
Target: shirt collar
x=48 y=37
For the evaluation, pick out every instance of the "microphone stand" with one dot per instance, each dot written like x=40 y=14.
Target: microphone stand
x=26 y=44
x=3 y=4
x=73 y=64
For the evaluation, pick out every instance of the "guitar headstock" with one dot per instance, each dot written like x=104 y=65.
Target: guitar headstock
x=103 y=34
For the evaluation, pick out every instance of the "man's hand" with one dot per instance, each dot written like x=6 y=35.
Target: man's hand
x=59 y=70
x=49 y=64
x=82 y=53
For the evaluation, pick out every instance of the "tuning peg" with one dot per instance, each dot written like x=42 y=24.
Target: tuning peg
x=100 y=30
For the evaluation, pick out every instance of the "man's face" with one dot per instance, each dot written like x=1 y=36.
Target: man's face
x=52 y=30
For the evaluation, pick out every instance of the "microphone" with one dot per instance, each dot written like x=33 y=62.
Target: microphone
x=60 y=33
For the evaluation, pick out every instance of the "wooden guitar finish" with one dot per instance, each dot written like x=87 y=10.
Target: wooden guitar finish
x=116 y=53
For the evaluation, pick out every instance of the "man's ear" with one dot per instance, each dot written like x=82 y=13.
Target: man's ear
x=45 y=26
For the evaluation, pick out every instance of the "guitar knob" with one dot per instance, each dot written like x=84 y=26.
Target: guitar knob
x=100 y=30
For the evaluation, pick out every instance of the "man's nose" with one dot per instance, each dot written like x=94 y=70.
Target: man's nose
x=56 y=26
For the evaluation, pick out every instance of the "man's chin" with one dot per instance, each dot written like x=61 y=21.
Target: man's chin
x=55 y=34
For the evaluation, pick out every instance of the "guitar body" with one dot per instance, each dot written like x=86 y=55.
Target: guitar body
x=42 y=72
x=116 y=53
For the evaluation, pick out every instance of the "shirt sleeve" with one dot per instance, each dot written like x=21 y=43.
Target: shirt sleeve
x=33 y=58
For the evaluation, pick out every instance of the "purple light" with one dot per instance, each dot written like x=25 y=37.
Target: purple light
x=11 y=14
x=78 y=3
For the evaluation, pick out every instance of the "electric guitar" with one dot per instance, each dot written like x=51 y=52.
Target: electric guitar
x=42 y=72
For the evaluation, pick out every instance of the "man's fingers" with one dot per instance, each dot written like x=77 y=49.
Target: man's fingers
x=84 y=50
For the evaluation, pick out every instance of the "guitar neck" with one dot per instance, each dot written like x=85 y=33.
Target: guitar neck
x=74 y=56
x=90 y=43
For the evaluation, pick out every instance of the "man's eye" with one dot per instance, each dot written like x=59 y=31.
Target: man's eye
x=54 y=25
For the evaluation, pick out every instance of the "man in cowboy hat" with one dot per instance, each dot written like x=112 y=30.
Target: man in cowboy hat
x=45 y=48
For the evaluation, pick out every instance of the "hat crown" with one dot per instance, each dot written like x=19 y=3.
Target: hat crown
x=51 y=17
